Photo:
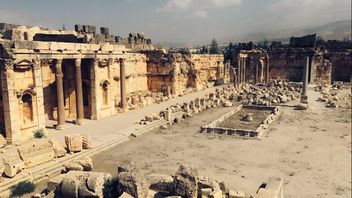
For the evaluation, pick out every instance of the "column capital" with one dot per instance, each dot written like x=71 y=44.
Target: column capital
x=78 y=62
x=36 y=63
x=57 y=62
x=122 y=61
x=58 y=67
x=7 y=64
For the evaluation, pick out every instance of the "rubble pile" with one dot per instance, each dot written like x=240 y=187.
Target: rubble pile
x=131 y=182
x=335 y=96
x=41 y=151
x=275 y=92
x=141 y=99
x=223 y=97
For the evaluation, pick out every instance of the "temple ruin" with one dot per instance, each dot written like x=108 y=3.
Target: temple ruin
x=54 y=79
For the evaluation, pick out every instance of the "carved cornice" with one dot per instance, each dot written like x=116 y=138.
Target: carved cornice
x=78 y=62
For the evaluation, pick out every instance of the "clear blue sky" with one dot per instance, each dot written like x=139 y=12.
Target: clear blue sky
x=176 y=20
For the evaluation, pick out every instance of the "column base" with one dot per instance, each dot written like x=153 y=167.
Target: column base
x=79 y=122
x=60 y=127
x=304 y=99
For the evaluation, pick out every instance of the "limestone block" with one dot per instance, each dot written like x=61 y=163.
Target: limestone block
x=55 y=183
x=36 y=152
x=69 y=187
x=125 y=195
x=53 y=46
x=12 y=165
x=87 y=142
x=3 y=141
x=130 y=179
x=107 y=47
x=86 y=163
x=216 y=194
x=96 y=181
x=66 y=46
x=59 y=149
x=73 y=142
x=236 y=194
x=186 y=182
x=2 y=167
x=94 y=47
x=38 y=45
x=161 y=183
x=206 y=191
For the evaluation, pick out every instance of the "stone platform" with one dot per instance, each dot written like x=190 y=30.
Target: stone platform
x=257 y=133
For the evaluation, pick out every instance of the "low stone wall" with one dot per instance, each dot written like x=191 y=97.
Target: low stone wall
x=261 y=130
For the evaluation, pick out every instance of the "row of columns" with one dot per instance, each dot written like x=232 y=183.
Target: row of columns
x=261 y=69
x=61 y=118
x=241 y=72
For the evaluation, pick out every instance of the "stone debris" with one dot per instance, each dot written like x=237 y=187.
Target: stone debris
x=59 y=149
x=2 y=168
x=248 y=117
x=87 y=141
x=130 y=179
x=77 y=184
x=186 y=182
x=3 y=141
x=333 y=95
x=84 y=164
x=73 y=142
x=12 y=165
x=36 y=152
x=131 y=182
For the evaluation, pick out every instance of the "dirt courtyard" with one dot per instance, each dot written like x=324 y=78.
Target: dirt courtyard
x=310 y=149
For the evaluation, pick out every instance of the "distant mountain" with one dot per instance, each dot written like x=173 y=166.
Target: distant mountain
x=334 y=30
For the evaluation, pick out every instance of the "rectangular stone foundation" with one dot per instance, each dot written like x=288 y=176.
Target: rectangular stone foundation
x=258 y=133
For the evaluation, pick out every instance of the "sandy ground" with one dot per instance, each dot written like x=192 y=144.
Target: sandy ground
x=310 y=149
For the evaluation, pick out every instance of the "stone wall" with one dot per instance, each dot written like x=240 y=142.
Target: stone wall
x=341 y=66
x=183 y=73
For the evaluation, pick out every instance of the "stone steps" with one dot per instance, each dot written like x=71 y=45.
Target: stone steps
x=45 y=171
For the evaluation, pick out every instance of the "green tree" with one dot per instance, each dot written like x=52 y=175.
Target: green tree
x=214 y=47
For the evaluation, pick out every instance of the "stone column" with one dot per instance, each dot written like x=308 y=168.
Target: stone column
x=239 y=70
x=60 y=94
x=244 y=70
x=255 y=62
x=304 y=96
x=95 y=96
x=234 y=78
x=79 y=93
x=10 y=101
x=38 y=81
x=267 y=71
x=123 y=84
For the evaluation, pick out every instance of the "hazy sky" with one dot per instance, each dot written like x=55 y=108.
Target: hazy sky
x=176 y=20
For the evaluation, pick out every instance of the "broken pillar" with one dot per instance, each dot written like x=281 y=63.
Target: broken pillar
x=123 y=84
x=304 y=96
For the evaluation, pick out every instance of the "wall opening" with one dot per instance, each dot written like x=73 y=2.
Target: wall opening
x=27 y=109
x=105 y=90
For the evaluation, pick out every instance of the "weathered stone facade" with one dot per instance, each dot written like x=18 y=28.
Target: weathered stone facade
x=177 y=74
x=65 y=81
